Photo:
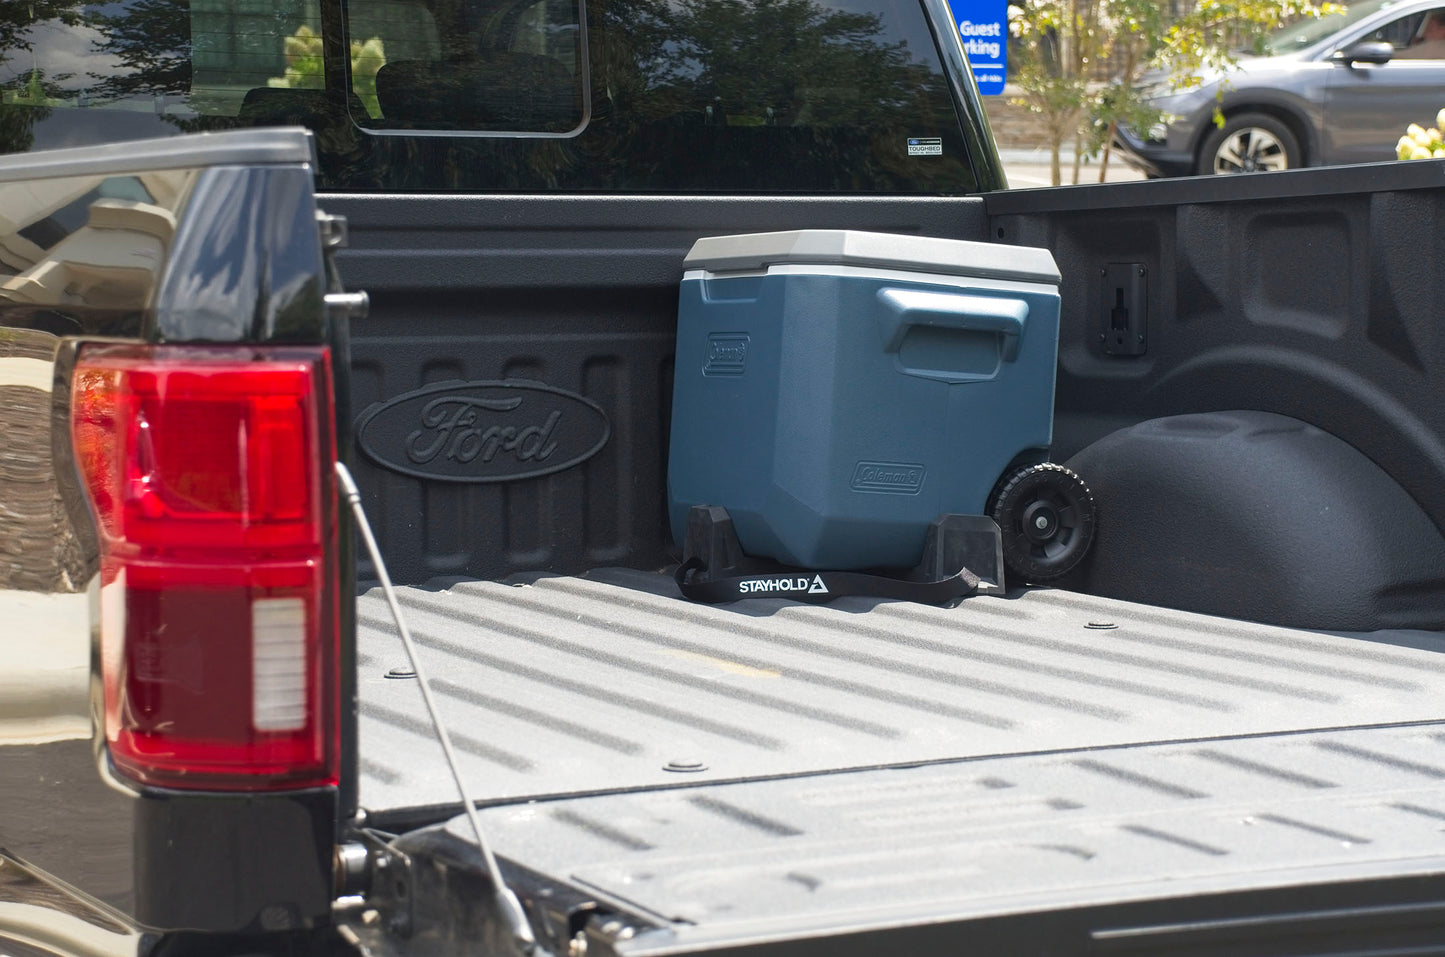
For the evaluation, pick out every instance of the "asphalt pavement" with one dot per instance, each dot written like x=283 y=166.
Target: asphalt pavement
x=1027 y=169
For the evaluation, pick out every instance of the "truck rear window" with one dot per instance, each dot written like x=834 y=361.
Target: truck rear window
x=508 y=95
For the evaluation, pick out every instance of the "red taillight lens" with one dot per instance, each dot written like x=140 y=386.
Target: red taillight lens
x=209 y=472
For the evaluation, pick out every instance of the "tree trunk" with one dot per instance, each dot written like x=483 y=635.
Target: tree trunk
x=1078 y=151
x=1108 y=147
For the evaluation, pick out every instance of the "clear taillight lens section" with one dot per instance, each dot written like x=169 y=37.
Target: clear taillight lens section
x=209 y=470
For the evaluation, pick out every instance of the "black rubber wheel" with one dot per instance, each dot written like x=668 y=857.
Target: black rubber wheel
x=1247 y=143
x=1047 y=516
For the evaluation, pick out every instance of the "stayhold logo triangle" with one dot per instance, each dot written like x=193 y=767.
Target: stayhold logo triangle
x=817 y=588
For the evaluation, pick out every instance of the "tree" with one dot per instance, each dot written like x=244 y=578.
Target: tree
x=749 y=55
x=1056 y=42
x=834 y=77
x=30 y=94
x=152 y=41
x=1059 y=44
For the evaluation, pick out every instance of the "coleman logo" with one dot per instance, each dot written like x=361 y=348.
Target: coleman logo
x=727 y=354
x=498 y=431
x=887 y=477
x=754 y=586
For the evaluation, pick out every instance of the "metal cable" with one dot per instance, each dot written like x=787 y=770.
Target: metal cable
x=507 y=902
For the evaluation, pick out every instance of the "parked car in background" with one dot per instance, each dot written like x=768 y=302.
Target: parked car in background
x=1338 y=89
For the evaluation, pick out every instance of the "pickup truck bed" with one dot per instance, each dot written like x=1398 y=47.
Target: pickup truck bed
x=563 y=685
x=1003 y=756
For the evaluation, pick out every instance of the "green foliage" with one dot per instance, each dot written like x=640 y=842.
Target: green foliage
x=32 y=93
x=306 y=66
x=366 y=59
x=1208 y=38
x=1421 y=143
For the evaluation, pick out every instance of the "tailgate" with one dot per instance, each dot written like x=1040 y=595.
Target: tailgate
x=1201 y=847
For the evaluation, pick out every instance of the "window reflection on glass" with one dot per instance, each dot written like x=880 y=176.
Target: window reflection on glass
x=486 y=66
x=143 y=68
x=684 y=95
x=835 y=90
x=86 y=244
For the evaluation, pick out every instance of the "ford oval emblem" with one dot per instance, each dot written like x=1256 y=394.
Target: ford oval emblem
x=501 y=431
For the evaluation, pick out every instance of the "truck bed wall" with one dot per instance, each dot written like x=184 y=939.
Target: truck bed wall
x=1312 y=294
x=579 y=293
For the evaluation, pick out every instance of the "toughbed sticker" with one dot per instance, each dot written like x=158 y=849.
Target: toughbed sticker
x=925 y=146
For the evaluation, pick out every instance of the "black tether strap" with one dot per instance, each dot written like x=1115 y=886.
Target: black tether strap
x=820 y=587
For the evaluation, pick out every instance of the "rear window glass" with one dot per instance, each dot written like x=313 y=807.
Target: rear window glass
x=507 y=95
x=484 y=68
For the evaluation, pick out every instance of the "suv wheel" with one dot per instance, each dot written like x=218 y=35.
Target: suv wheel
x=1249 y=142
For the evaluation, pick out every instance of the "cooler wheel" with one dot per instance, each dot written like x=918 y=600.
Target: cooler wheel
x=1046 y=514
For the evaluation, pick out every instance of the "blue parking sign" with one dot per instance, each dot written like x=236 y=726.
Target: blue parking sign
x=983 y=28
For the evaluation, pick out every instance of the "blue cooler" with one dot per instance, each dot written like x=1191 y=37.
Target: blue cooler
x=836 y=390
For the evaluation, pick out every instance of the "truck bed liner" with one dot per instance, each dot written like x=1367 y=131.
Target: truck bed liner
x=557 y=686
x=736 y=865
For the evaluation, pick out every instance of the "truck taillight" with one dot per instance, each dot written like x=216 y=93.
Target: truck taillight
x=209 y=471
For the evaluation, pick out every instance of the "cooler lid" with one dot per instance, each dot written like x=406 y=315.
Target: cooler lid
x=850 y=247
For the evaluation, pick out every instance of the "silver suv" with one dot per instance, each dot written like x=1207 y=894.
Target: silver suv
x=1339 y=89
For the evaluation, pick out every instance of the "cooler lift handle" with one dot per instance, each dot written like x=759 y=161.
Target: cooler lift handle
x=907 y=308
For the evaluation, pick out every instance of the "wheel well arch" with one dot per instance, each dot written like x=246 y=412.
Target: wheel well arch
x=1258 y=516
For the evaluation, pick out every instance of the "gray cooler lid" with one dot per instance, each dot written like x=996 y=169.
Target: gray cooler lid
x=849 y=247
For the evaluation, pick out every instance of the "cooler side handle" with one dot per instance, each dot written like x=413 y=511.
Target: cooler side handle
x=906 y=308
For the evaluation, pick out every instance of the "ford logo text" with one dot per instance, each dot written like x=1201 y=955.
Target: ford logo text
x=495 y=431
